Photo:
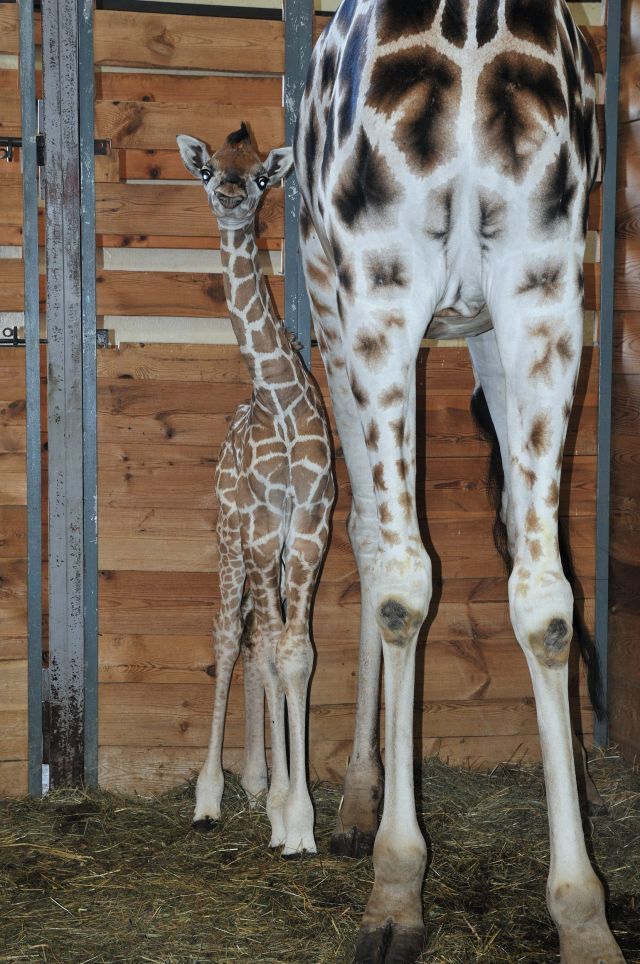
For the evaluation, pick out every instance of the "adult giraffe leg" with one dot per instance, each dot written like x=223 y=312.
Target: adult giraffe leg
x=490 y=374
x=357 y=819
x=541 y=369
x=226 y=644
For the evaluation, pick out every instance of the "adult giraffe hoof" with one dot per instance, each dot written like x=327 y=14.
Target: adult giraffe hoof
x=352 y=843
x=204 y=824
x=389 y=944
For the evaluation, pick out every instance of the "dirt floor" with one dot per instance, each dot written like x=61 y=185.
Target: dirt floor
x=96 y=877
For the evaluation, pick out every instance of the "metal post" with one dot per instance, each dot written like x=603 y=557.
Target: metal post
x=298 y=44
x=607 y=249
x=32 y=361
x=89 y=387
x=64 y=386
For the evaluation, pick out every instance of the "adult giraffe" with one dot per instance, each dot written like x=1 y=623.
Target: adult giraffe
x=445 y=152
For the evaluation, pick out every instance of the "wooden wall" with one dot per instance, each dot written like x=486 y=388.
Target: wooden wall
x=13 y=576
x=624 y=621
x=164 y=408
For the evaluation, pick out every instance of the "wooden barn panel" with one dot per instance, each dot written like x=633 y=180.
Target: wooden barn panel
x=13 y=575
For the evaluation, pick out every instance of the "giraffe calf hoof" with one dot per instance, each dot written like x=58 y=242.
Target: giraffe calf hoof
x=389 y=944
x=204 y=824
x=352 y=843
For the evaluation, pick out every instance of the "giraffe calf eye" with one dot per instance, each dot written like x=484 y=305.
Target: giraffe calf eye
x=262 y=181
x=206 y=175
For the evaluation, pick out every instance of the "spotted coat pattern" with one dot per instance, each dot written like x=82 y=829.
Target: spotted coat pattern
x=445 y=151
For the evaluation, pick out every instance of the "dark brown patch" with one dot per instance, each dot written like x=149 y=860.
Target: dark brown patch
x=373 y=435
x=403 y=468
x=564 y=349
x=454 y=22
x=426 y=87
x=367 y=190
x=552 y=203
x=306 y=224
x=547 y=280
x=384 y=514
x=567 y=410
x=486 y=21
x=542 y=367
x=378 y=477
x=372 y=346
x=492 y=217
x=528 y=475
x=539 y=435
x=385 y=271
x=317 y=274
x=397 y=427
x=533 y=21
x=399 y=18
x=360 y=395
x=394 y=321
x=393 y=395
x=514 y=90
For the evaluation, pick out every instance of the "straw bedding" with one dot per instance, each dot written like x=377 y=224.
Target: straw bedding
x=94 y=877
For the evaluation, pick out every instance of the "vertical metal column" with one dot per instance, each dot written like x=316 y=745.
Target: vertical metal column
x=607 y=257
x=89 y=387
x=298 y=44
x=60 y=38
x=32 y=355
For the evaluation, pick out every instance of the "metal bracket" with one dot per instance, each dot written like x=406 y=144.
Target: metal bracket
x=8 y=145
x=11 y=338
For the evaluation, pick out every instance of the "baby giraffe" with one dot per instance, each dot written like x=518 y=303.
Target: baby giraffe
x=275 y=492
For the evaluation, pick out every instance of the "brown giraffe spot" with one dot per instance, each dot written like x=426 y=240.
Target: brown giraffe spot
x=535 y=549
x=306 y=224
x=373 y=435
x=397 y=427
x=425 y=87
x=539 y=435
x=371 y=346
x=367 y=188
x=533 y=21
x=516 y=91
x=392 y=396
x=403 y=468
x=566 y=410
x=398 y=19
x=454 y=21
x=385 y=271
x=553 y=495
x=486 y=21
x=390 y=537
x=394 y=321
x=317 y=274
x=546 y=280
x=532 y=522
x=319 y=308
x=492 y=218
x=528 y=475
x=552 y=203
x=384 y=513
x=542 y=366
x=243 y=268
x=564 y=349
x=378 y=477
x=359 y=393
x=406 y=501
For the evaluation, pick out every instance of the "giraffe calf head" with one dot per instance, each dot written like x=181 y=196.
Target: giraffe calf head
x=234 y=177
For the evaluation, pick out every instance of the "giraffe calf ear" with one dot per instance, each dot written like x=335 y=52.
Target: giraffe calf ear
x=194 y=153
x=278 y=164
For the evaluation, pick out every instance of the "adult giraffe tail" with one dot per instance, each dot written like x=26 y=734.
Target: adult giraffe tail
x=495 y=484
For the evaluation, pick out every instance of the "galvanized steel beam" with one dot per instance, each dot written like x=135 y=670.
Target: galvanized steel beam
x=298 y=44
x=607 y=257
x=60 y=37
x=32 y=362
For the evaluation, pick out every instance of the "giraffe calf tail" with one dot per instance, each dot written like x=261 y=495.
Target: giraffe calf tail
x=495 y=483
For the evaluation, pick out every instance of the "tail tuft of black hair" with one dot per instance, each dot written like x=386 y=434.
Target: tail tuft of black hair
x=495 y=483
x=242 y=134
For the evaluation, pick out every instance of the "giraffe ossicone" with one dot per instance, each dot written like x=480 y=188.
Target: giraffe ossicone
x=445 y=151
x=275 y=492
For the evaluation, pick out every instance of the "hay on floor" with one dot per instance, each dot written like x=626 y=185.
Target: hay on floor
x=100 y=878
